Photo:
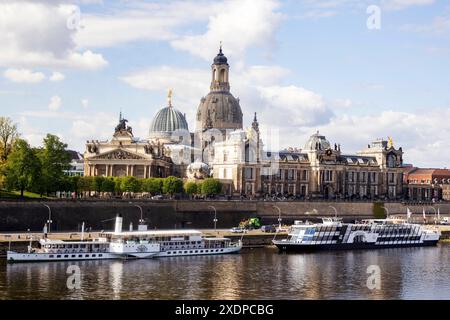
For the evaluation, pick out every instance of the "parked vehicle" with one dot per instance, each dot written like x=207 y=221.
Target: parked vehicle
x=268 y=228
x=445 y=221
x=237 y=230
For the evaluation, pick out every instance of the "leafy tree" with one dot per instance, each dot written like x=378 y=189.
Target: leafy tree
x=86 y=183
x=8 y=133
x=190 y=188
x=98 y=183
x=22 y=167
x=130 y=184
x=108 y=185
x=55 y=159
x=172 y=185
x=211 y=186
x=75 y=184
x=152 y=185
x=118 y=184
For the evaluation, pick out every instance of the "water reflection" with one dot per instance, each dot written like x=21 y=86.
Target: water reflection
x=412 y=273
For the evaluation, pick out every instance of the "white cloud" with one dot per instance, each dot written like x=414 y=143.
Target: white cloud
x=40 y=38
x=136 y=21
x=55 y=103
x=85 y=103
x=404 y=4
x=293 y=105
x=422 y=134
x=23 y=76
x=240 y=24
x=57 y=76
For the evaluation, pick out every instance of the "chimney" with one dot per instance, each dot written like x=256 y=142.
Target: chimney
x=118 y=226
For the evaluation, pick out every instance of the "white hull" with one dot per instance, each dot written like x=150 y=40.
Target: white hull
x=30 y=257
x=198 y=252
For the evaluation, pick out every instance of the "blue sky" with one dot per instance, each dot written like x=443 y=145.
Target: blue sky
x=303 y=65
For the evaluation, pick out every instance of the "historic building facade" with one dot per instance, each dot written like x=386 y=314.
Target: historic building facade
x=427 y=184
x=220 y=147
x=125 y=156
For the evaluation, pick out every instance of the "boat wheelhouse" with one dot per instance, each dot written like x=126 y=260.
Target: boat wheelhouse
x=332 y=234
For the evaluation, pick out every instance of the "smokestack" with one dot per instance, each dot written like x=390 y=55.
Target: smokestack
x=118 y=227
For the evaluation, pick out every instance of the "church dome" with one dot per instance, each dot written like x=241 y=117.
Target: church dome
x=219 y=110
x=220 y=58
x=317 y=142
x=166 y=121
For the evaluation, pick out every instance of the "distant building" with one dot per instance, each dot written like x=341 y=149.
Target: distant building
x=219 y=146
x=76 y=164
x=427 y=184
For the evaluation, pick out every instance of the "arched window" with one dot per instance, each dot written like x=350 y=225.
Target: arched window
x=222 y=76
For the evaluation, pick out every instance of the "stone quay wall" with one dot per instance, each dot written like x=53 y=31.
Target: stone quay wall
x=164 y=214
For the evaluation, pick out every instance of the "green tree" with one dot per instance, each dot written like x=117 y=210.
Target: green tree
x=22 y=167
x=190 y=188
x=55 y=159
x=130 y=184
x=211 y=186
x=172 y=185
x=98 y=183
x=152 y=185
x=108 y=185
x=85 y=184
x=8 y=133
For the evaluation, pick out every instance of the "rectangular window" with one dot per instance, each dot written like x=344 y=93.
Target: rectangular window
x=248 y=173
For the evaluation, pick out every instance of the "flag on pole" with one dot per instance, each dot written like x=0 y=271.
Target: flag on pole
x=408 y=214
x=439 y=215
x=424 y=216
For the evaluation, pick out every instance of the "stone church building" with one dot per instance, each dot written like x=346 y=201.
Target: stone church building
x=220 y=147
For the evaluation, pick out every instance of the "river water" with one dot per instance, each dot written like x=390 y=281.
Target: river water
x=262 y=273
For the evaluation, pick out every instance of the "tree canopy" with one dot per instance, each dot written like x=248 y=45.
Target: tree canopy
x=22 y=168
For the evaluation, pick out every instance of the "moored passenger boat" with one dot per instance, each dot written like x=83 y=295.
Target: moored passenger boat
x=333 y=234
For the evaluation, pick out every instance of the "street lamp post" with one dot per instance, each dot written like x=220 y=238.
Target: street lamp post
x=141 y=220
x=215 y=217
x=387 y=212
x=49 y=221
x=435 y=214
x=279 y=217
x=335 y=211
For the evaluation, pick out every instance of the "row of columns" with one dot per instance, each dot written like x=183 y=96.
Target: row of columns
x=130 y=170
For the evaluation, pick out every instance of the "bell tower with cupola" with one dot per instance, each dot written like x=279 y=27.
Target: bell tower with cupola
x=220 y=71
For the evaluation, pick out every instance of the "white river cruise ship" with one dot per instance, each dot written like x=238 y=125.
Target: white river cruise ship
x=333 y=234
x=128 y=245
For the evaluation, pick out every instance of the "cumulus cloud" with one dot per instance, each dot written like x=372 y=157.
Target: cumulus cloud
x=55 y=103
x=41 y=38
x=240 y=24
x=23 y=76
x=57 y=76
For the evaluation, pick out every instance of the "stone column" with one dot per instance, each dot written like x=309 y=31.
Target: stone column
x=111 y=170
x=106 y=170
x=128 y=170
x=145 y=171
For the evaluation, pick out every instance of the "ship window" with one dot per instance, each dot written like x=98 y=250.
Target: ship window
x=201 y=251
x=94 y=255
x=66 y=256
x=100 y=255
x=51 y=256
x=86 y=256
x=80 y=256
x=185 y=252
x=73 y=256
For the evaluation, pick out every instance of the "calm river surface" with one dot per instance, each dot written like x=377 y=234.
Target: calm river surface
x=410 y=273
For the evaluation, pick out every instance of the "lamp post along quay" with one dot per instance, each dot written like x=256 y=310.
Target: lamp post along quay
x=49 y=221
x=215 y=217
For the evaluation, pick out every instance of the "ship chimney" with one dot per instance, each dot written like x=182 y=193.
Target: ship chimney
x=118 y=227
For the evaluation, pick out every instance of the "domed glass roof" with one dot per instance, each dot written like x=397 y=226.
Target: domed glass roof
x=317 y=142
x=168 y=120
